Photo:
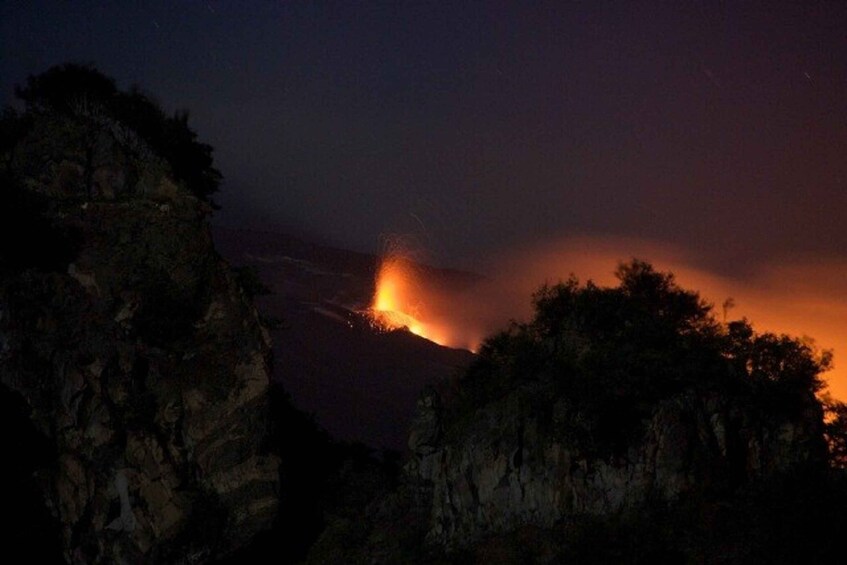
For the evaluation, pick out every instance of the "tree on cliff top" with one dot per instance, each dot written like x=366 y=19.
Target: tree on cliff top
x=614 y=353
x=65 y=88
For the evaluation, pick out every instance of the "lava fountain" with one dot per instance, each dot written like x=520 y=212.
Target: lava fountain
x=392 y=306
x=399 y=298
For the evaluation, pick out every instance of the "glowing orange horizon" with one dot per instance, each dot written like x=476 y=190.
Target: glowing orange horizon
x=801 y=298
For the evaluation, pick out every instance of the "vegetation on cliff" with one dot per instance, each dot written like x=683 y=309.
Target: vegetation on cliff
x=81 y=136
x=615 y=353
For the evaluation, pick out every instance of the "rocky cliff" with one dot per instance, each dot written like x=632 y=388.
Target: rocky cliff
x=509 y=465
x=708 y=478
x=146 y=366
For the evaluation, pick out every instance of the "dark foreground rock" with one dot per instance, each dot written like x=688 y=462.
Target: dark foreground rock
x=710 y=479
x=145 y=366
x=510 y=465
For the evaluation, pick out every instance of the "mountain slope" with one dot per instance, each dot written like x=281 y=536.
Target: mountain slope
x=361 y=383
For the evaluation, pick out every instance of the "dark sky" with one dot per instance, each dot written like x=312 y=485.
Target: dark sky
x=720 y=127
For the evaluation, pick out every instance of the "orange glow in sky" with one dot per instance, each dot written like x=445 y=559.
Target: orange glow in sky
x=805 y=297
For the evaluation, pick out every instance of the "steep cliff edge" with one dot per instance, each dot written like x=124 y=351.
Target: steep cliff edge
x=146 y=366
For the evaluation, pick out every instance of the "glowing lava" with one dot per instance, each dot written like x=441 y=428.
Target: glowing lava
x=394 y=304
x=401 y=300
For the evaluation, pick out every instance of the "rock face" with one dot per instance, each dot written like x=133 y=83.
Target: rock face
x=507 y=466
x=146 y=366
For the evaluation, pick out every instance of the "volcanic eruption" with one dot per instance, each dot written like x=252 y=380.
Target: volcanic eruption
x=797 y=298
x=396 y=302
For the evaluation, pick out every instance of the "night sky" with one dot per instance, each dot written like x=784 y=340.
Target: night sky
x=709 y=134
x=719 y=127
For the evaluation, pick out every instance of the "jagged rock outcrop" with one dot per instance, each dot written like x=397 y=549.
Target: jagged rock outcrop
x=147 y=367
x=508 y=465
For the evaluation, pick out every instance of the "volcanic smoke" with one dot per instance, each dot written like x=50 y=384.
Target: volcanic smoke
x=799 y=297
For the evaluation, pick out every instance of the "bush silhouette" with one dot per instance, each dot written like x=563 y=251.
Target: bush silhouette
x=614 y=353
x=72 y=90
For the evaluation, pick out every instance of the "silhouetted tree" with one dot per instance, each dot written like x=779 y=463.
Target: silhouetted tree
x=61 y=87
x=615 y=352
x=771 y=360
x=836 y=432
x=87 y=95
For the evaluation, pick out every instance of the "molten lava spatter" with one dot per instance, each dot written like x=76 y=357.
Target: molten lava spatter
x=413 y=296
x=394 y=304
